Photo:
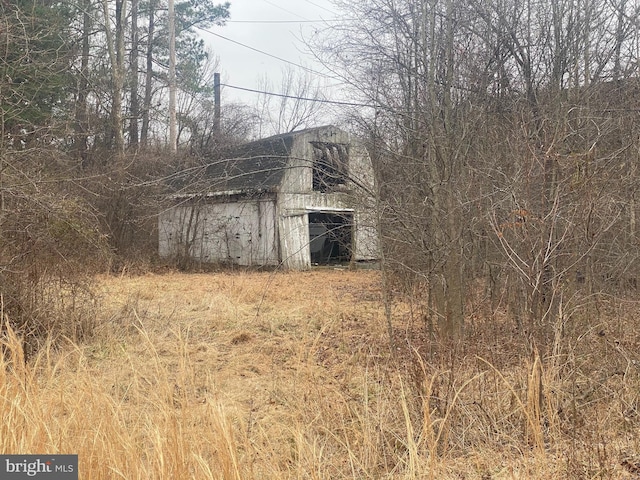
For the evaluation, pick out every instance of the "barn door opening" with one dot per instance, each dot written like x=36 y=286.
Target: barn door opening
x=330 y=237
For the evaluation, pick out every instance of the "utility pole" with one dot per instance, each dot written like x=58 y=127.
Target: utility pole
x=216 y=104
x=173 y=127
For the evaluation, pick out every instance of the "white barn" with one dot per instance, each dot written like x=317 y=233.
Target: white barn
x=296 y=199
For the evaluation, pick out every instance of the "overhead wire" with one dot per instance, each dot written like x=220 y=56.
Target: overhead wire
x=285 y=10
x=284 y=60
x=329 y=20
x=296 y=97
x=319 y=6
x=244 y=45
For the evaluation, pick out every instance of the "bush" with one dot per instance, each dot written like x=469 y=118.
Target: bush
x=50 y=245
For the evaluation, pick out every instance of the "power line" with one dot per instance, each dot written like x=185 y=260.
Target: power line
x=295 y=97
x=329 y=20
x=284 y=9
x=319 y=6
x=244 y=45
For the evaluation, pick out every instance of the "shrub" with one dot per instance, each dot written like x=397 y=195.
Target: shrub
x=50 y=245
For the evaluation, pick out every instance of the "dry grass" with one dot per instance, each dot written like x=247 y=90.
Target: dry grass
x=275 y=376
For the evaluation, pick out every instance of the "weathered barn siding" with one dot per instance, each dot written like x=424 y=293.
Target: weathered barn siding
x=363 y=196
x=240 y=232
x=294 y=241
x=366 y=236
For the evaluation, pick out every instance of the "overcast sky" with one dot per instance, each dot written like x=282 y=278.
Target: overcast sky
x=272 y=26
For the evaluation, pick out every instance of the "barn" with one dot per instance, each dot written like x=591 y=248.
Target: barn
x=295 y=200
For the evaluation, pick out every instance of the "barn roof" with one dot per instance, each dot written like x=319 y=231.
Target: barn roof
x=255 y=166
x=258 y=166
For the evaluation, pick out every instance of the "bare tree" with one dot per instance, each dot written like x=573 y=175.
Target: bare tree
x=115 y=48
x=498 y=130
x=173 y=123
x=134 y=109
x=297 y=103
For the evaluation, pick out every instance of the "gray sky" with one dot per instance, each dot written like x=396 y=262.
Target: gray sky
x=273 y=26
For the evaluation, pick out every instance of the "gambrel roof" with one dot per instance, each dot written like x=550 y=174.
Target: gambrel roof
x=260 y=166
x=255 y=166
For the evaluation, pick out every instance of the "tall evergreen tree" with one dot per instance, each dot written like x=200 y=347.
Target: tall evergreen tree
x=34 y=68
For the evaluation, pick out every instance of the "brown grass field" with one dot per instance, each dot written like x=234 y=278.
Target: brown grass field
x=291 y=376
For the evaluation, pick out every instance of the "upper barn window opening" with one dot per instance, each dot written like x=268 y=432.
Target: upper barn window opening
x=330 y=162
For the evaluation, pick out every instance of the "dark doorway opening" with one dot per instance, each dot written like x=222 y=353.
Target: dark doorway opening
x=330 y=237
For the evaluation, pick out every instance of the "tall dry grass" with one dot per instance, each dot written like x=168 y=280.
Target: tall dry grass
x=275 y=376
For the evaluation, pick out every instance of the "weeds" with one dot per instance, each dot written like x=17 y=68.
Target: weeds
x=199 y=386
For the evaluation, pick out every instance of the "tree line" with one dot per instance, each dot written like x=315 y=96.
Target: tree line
x=506 y=143
x=91 y=75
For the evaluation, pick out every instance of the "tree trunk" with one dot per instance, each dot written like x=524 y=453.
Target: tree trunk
x=173 y=124
x=135 y=105
x=116 y=57
x=148 y=86
x=81 y=124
